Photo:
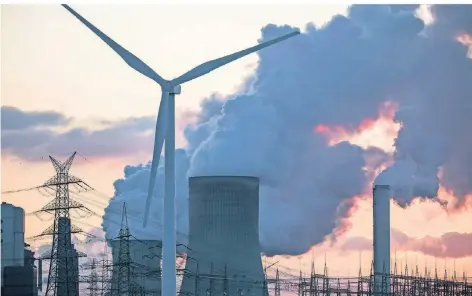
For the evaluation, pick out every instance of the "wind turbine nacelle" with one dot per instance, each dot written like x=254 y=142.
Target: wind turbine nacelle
x=172 y=89
x=177 y=89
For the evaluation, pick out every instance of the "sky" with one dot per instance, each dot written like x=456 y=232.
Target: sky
x=58 y=78
x=51 y=63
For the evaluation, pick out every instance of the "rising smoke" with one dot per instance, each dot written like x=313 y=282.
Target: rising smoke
x=339 y=74
x=132 y=190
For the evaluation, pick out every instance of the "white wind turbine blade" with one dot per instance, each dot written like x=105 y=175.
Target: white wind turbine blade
x=133 y=61
x=161 y=131
x=215 y=64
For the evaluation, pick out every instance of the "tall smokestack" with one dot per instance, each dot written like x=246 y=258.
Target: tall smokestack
x=381 y=239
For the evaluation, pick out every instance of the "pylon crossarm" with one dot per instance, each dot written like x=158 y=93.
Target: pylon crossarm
x=49 y=183
x=75 y=229
x=73 y=204
x=90 y=238
x=55 y=181
x=50 y=206
x=84 y=185
x=50 y=231
x=53 y=205
x=47 y=231
x=35 y=238
x=86 y=213
x=40 y=217
x=55 y=208
x=73 y=179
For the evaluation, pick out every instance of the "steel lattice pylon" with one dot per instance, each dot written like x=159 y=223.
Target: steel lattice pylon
x=93 y=281
x=63 y=268
x=60 y=281
x=125 y=281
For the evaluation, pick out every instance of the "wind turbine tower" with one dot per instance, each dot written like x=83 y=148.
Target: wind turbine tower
x=165 y=129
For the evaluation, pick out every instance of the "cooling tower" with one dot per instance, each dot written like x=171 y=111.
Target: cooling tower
x=381 y=211
x=224 y=250
x=146 y=254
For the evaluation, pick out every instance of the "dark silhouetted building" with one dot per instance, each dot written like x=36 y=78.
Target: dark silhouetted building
x=21 y=280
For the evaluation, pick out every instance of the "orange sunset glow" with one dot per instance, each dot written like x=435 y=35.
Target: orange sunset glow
x=431 y=220
x=466 y=39
x=377 y=132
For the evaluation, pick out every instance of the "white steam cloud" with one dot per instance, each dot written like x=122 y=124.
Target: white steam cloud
x=339 y=74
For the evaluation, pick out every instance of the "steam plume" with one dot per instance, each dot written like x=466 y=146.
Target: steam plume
x=339 y=74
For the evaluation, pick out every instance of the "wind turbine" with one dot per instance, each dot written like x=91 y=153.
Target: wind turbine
x=165 y=129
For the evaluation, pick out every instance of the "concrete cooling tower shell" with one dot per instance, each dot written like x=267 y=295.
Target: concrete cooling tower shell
x=147 y=256
x=224 y=252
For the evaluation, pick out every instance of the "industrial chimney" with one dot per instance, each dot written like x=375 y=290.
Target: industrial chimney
x=224 y=251
x=381 y=239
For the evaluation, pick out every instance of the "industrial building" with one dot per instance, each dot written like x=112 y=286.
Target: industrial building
x=19 y=275
x=224 y=253
x=13 y=235
x=74 y=276
x=146 y=260
x=21 y=280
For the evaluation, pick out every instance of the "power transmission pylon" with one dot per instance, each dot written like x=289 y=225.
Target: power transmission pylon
x=125 y=285
x=105 y=276
x=98 y=281
x=63 y=270
x=93 y=280
x=125 y=280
